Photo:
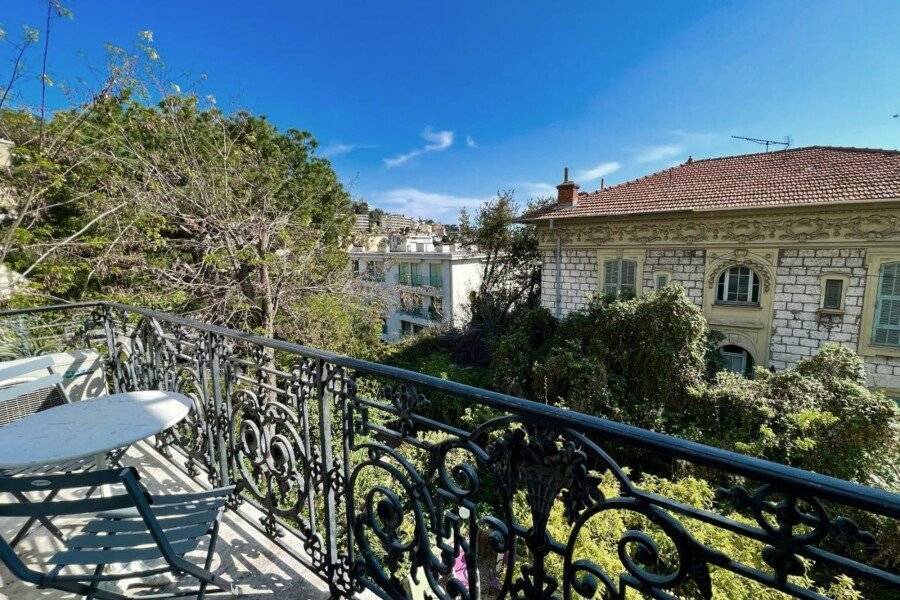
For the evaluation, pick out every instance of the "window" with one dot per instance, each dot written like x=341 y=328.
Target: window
x=886 y=328
x=618 y=277
x=661 y=279
x=420 y=247
x=738 y=285
x=354 y=266
x=435 y=279
x=737 y=360
x=833 y=294
x=409 y=274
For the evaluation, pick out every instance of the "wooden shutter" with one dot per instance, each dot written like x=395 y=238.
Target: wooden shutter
x=611 y=277
x=628 y=270
x=887 y=310
x=833 y=293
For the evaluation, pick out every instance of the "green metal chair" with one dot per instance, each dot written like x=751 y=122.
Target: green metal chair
x=126 y=528
x=22 y=395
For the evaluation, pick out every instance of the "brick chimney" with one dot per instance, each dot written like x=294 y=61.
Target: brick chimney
x=567 y=191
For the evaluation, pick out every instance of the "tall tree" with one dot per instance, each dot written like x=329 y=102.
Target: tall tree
x=511 y=272
x=176 y=204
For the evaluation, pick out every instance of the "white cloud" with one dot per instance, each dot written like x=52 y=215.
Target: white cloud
x=337 y=149
x=470 y=141
x=413 y=202
x=535 y=189
x=601 y=170
x=659 y=152
x=694 y=137
x=435 y=141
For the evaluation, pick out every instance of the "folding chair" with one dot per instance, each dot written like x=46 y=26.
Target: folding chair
x=21 y=396
x=126 y=528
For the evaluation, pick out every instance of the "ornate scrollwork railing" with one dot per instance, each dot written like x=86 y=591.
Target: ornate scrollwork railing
x=346 y=460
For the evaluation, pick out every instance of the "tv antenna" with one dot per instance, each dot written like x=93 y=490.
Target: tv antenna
x=786 y=143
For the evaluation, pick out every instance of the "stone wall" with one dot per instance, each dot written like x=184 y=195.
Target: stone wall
x=578 y=280
x=884 y=371
x=686 y=267
x=797 y=327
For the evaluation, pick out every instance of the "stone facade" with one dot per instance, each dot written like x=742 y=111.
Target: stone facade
x=684 y=266
x=578 y=279
x=799 y=327
x=884 y=372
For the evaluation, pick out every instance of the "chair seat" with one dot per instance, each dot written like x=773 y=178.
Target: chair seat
x=121 y=536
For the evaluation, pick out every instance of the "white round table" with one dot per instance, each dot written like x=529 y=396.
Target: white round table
x=89 y=428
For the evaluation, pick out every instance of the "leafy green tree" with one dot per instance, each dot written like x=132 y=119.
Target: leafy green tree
x=174 y=204
x=510 y=277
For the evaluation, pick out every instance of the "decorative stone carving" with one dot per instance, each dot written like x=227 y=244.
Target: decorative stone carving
x=870 y=226
x=758 y=267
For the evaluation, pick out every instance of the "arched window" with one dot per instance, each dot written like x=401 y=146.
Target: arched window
x=738 y=285
x=886 y=328
x=737 y=360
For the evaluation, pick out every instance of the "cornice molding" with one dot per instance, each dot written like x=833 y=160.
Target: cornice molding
x=848 y=226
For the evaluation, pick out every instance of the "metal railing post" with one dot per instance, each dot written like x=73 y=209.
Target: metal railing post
x=109 y=328
x=324 y=373
x=220 y=416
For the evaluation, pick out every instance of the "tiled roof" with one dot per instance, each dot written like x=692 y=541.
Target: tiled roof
x=815 y=175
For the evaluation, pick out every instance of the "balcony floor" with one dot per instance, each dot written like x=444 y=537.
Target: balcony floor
x=243 y=555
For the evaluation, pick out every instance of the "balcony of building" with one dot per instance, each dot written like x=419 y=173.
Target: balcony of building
x=349 y=485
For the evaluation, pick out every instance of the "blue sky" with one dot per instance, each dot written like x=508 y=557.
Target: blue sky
x=424 y=108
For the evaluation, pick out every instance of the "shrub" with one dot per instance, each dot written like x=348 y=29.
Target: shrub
x=632 y=360
x=817 y=415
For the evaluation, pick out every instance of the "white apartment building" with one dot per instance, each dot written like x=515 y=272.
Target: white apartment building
x=427 y=284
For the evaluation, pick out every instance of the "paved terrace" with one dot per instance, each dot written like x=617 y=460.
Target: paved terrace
x=243 y=554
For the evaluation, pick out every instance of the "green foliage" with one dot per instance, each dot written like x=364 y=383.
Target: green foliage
x=510 y=277
x=818 y=415
x=182 y=208
x=630 y=360
x=431 y=352
x=330 y=322
x=598 y=540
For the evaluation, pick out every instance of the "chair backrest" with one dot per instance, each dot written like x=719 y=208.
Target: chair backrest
x=21 y=394
x=59 y=482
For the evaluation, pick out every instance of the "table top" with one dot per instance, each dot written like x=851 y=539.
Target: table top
x=89 y=427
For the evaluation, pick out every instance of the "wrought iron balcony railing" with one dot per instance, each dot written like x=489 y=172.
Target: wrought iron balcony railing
x=350 y=467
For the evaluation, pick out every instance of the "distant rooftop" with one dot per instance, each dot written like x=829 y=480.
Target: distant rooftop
x=815 y=175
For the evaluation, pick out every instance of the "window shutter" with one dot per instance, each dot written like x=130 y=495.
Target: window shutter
x=833 y=289
x=628 y=269
x=887 y=316
x=611 y=277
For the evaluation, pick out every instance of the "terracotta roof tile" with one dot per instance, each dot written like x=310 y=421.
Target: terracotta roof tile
x=815 y=175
